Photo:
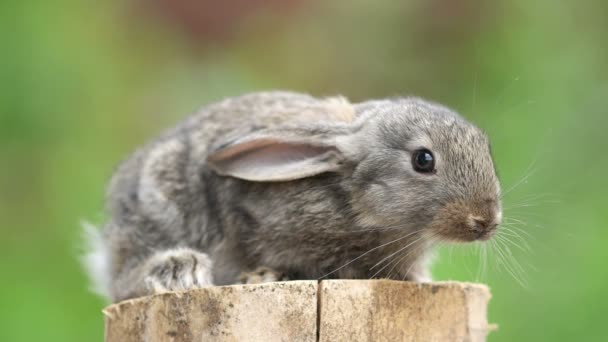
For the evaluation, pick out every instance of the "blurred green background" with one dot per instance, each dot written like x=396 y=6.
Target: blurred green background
x=82 y=83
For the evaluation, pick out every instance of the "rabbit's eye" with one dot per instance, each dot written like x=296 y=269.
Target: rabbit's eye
x=423 y=161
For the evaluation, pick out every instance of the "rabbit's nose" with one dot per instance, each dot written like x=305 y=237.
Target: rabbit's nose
x=481 y=226
x=485 y=215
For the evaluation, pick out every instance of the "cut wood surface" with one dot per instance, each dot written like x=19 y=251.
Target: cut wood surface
x=330 y=310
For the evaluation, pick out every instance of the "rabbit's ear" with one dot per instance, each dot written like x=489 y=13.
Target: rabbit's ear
x=272 y=159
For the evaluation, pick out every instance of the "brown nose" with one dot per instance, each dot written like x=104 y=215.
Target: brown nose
x=485 y=215
x=481 y=225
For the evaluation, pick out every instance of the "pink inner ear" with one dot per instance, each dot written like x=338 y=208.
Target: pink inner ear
x=272 y=160
x=239 y=148
x=281 y=153
x=268 y=151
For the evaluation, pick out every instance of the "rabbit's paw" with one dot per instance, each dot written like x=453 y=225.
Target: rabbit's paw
x=178 y=269
x=261 y=275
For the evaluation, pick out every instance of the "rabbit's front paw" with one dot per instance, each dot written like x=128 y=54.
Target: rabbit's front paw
x=178 y=269
x=261 y=275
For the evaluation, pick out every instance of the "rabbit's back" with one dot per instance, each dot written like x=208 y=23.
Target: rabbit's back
x=164 y=181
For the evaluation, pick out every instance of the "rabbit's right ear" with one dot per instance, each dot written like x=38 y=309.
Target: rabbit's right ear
x=275 y=158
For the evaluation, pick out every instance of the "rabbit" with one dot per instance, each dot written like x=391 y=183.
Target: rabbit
x=279 y=185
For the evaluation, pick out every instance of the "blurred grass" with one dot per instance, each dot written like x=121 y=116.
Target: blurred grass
x=83 y=83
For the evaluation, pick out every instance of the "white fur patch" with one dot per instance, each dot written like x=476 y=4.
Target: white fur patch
x=498 y=219
x=341 y=109
x=96 y=260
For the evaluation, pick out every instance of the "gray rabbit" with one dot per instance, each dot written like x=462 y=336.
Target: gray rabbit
x=280 y=185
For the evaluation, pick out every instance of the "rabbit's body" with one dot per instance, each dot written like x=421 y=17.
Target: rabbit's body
x=307 y=187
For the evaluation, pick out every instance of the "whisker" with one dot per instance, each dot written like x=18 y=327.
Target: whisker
x=538 y=196
x=432 y=236
x=529 y=171
x=524 y=225
x=514 y=269
x=364 y=254
x=523 y=232
x=417 y=241
x=507 y=219
x=502 y=261
x=399 y=250
x=514 y=230
x=505 y=234
x=530 y=205
x=516 y=264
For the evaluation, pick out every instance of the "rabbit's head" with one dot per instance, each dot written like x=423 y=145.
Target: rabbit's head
x=405 y=162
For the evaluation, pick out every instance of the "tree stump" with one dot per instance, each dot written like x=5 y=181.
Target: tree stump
x=330 y=310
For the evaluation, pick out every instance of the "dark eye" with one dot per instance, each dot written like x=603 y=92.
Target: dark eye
x=423 y=161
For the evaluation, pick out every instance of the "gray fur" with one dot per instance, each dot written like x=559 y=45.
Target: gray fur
x=299 y=185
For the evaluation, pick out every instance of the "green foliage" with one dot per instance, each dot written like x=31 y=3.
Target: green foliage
x=83 y=83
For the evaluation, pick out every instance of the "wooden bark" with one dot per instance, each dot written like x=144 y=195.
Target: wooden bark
x=331 y=310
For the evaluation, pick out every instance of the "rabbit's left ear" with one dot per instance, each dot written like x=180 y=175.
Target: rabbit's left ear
x=271 y=158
